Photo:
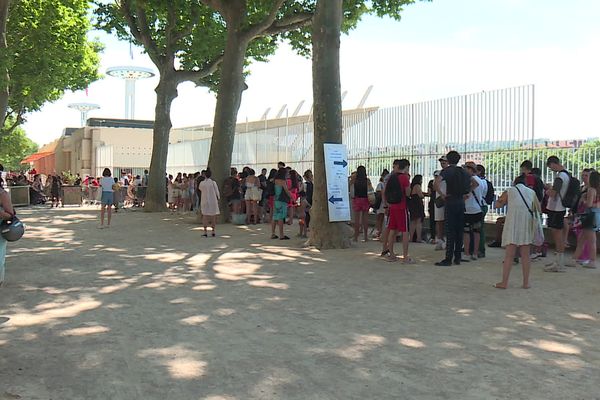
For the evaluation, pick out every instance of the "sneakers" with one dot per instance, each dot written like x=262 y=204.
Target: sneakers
x=555 y=267
x=441 y=245
x=495 y=244
x=473 y=257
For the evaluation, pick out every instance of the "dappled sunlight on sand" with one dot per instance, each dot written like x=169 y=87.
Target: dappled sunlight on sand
x=166 y=257
x=412 y=343
x=553 y=347
x=85 y=331
x=194 y=320
x=582 y=316
x=361 y=344
x=521 y=353
x=181 y=363
x=68 y=310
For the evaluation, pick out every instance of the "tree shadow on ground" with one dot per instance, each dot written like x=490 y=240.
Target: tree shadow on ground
x=149 y=309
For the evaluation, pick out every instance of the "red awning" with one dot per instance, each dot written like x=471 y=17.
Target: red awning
x=36 y=156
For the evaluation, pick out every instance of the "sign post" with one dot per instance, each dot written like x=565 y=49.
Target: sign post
x=336 y=172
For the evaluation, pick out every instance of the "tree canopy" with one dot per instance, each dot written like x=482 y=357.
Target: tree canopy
x=14 y=147
x=48 y=52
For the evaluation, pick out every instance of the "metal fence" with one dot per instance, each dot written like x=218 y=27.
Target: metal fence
x=493 y=128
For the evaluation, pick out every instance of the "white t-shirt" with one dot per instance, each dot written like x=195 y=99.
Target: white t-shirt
x=107 y=182
x=473 y=203
x=555 y=203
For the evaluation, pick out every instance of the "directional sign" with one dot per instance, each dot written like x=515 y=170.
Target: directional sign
x=336 y=170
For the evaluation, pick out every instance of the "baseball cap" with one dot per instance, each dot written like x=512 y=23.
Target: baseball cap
x=442 y=158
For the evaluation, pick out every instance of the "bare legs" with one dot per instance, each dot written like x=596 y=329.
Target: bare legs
x=467 y=242
x=379 y=224
x=108 y=209
x=587 y=239
x=361 y=220
x=405 y=241
x=209 y=220
x=416 y=226
x=509 y=256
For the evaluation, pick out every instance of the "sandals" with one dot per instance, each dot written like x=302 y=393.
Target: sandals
x=284 y=238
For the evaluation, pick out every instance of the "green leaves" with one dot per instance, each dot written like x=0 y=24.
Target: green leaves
x=14 y=147
x=48 y=52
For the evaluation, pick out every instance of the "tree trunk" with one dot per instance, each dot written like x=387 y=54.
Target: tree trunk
x=166 y=92
x=229 y=98
x=5 y=79
x=327 y=119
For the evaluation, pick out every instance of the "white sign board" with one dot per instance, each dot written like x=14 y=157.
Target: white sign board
x=336 y=171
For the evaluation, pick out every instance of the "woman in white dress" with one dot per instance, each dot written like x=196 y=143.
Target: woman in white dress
x=519 y=228
x=209 y=203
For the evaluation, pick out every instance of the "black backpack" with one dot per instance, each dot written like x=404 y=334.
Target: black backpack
x=573 y=192
x=490 y=195
x=393 y=190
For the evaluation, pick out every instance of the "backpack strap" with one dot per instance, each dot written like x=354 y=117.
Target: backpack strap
x=524 y=201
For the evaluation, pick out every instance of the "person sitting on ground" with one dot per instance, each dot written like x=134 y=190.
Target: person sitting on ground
x=518 y=233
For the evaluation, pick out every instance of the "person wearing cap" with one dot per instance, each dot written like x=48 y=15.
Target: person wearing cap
x=6 y=213
x=439 y=185
x=458 y=186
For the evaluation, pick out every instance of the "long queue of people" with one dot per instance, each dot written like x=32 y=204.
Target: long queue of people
x=460 y=196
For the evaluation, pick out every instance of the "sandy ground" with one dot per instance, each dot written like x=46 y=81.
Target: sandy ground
x=151 y=310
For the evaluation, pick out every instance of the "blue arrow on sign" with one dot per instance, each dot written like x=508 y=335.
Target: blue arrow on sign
x=333 y=200
x=343 y=163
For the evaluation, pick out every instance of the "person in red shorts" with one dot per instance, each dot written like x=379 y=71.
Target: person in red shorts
x=396 y=192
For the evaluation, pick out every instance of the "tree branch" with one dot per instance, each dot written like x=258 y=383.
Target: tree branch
x=256 y=30
x=198 y=76
x=18 y=121
x=140 y=32
x=216 y=5
x=177 y=36
x=290 y=23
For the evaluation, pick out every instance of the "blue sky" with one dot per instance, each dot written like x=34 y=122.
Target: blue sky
x=439 y=49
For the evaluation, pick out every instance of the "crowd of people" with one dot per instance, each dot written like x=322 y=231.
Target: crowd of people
x=460 y=196
x=457 y=200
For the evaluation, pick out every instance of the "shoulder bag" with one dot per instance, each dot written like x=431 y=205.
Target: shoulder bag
x=538 y=229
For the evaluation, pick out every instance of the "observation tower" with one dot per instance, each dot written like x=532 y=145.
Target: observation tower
x=130 y=74
x=83 y=109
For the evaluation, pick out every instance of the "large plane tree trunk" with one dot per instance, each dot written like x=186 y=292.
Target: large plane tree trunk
x=4 y=79
x=229 y=99
x=327 y=119
x=166 y=92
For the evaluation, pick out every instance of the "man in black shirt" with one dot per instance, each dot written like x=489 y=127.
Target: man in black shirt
x=457 y=187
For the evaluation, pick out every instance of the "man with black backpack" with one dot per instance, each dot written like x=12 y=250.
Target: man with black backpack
x=395 y=193
x=562 y=194
x=458 y=185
